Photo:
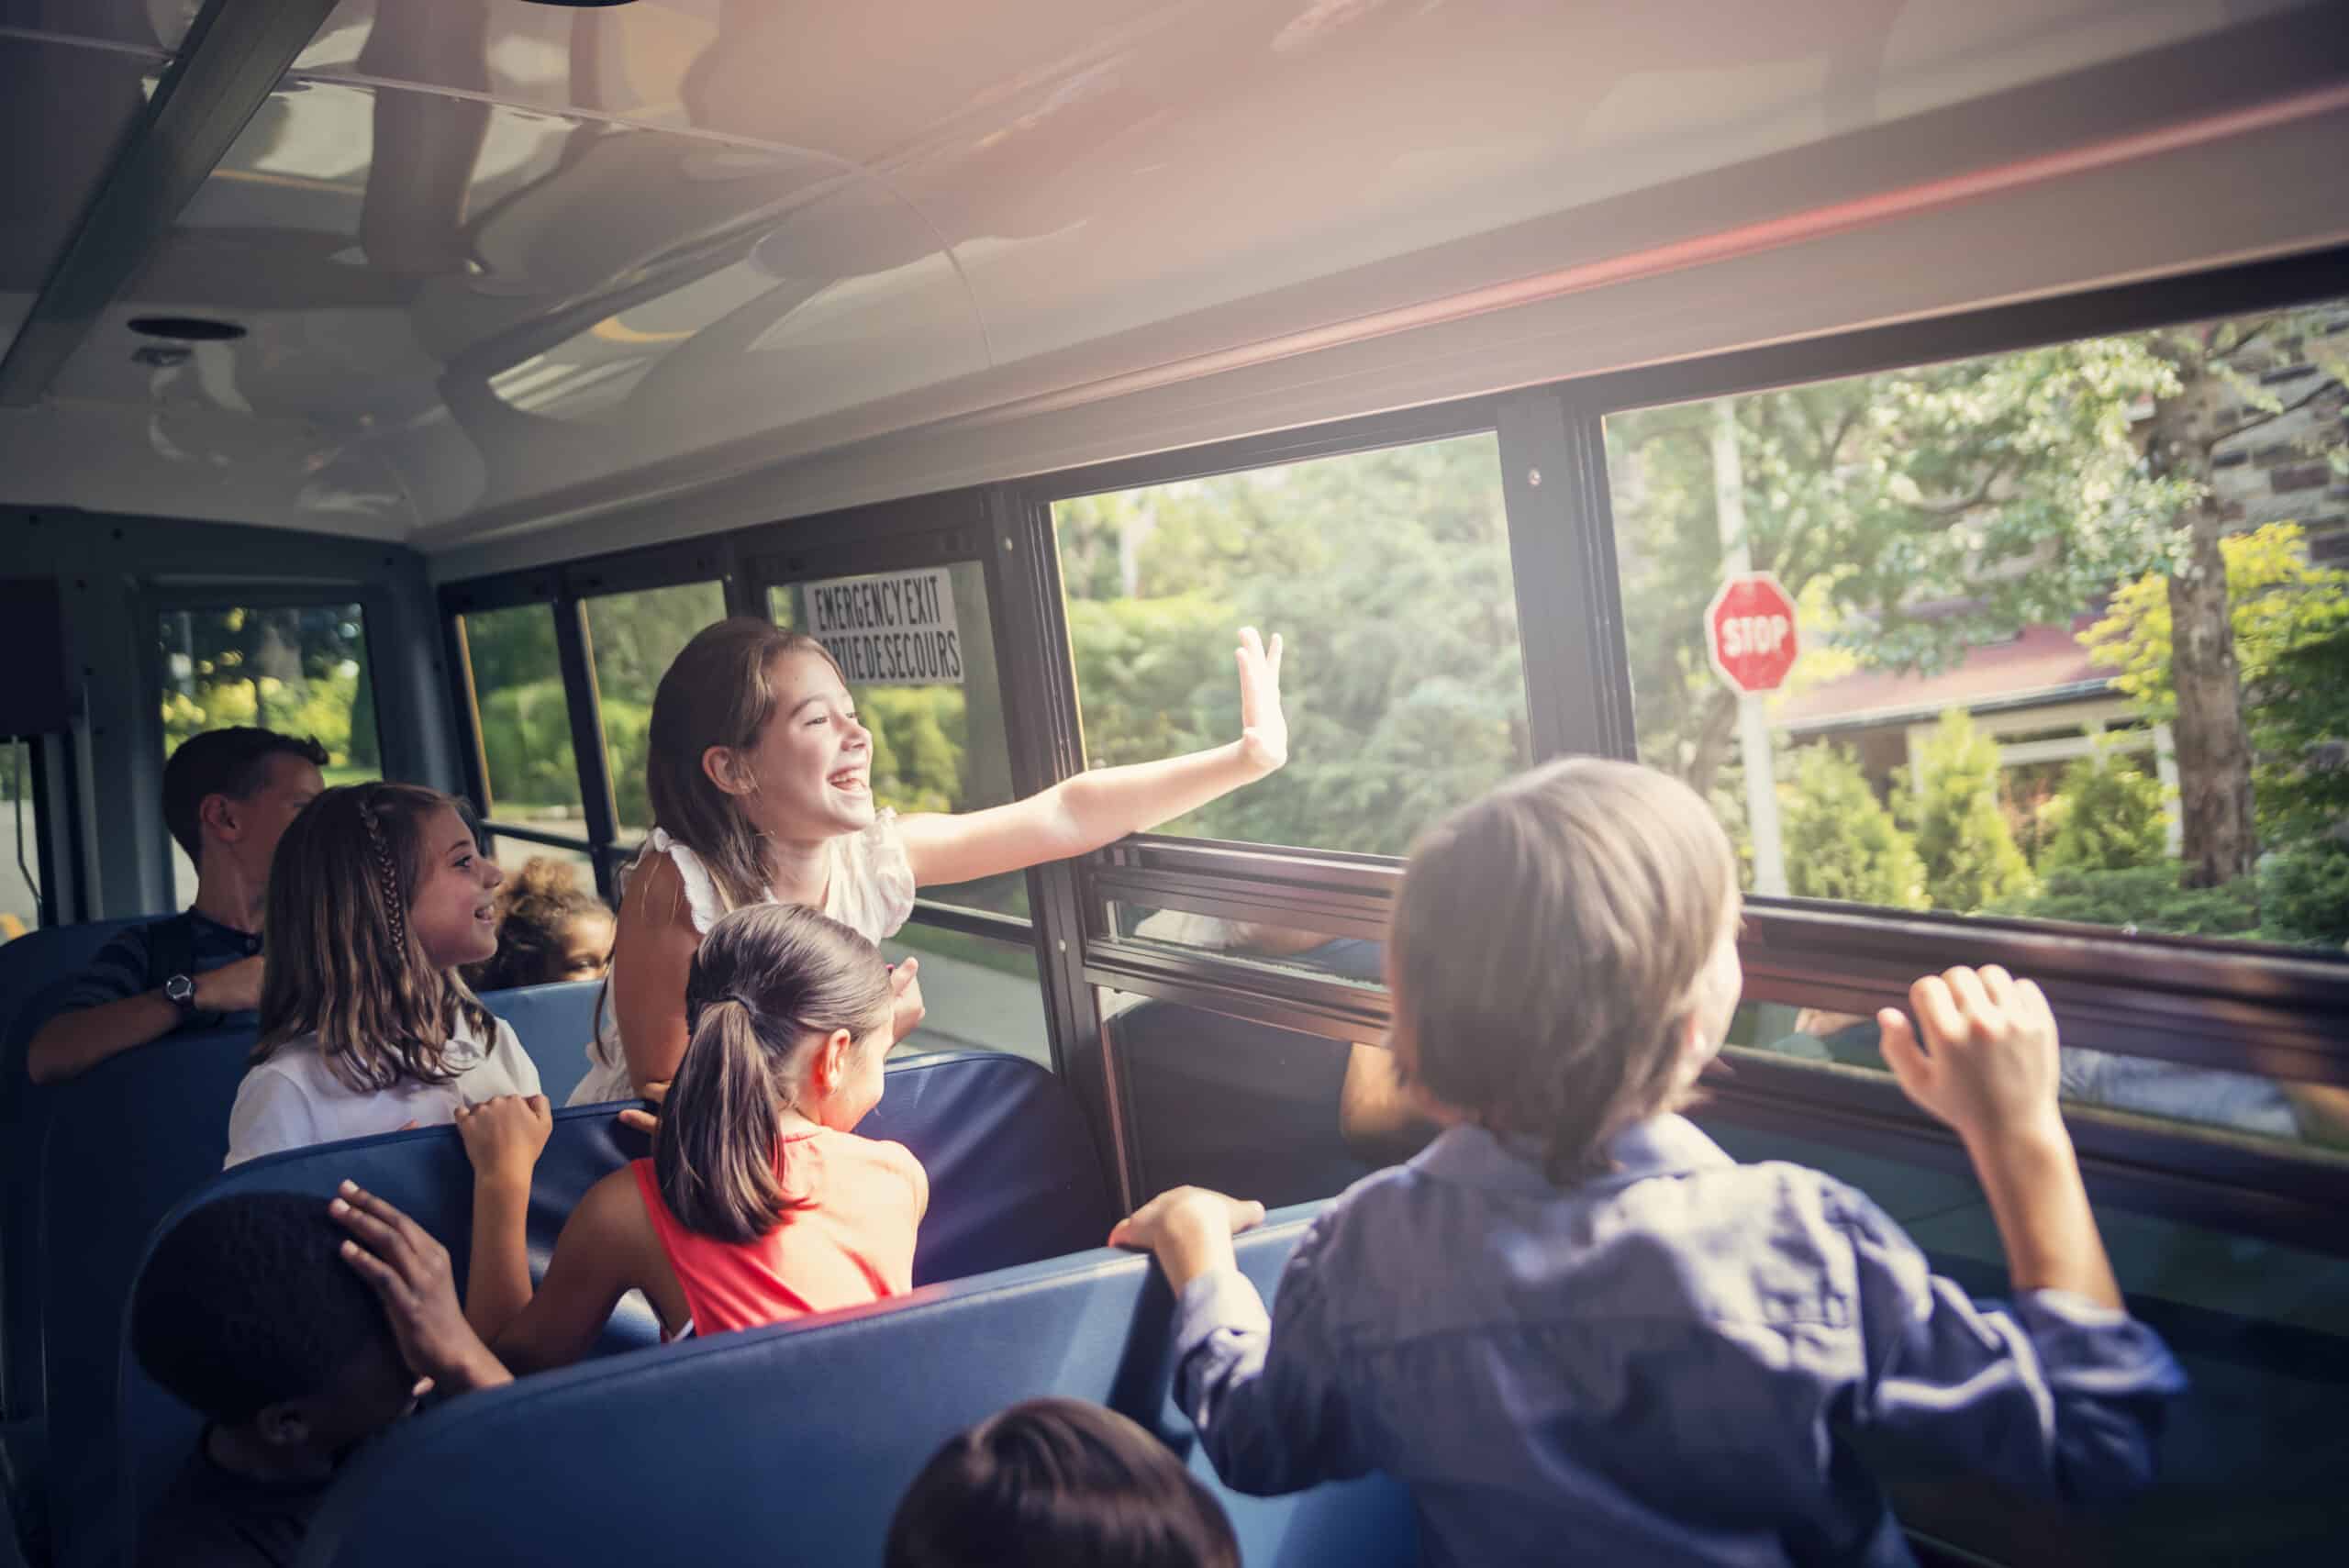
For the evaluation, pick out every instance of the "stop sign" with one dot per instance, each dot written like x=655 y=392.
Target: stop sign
x=1750 y=632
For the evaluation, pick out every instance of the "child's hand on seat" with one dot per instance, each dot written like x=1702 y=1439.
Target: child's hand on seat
x=1190 y=1229
x=410 y=1273
x=648 y=1122
x=503 y=1137
x=906 y=1008
x=1990 y=1066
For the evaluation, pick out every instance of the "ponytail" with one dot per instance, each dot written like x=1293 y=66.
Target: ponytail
x=714 y=1155
x=768 y=985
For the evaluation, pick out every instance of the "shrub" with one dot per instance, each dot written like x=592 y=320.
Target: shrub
x=1971 y=861
x=2146 y=898
x=2304 y=894
x=1841 y=841
x=2108 y=817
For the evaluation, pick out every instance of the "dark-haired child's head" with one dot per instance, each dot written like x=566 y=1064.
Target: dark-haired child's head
x=229 y=793
x=1058 y=1484
x=789 y=1014
x=1563 y=956
x=379 y=894
x=247 y=1312
x=551 y=927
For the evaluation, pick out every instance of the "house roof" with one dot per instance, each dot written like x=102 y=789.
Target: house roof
x=2043 y=663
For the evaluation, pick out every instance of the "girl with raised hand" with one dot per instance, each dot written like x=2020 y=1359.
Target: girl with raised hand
x=761 y=784
x=759 y=1203
x=378 y=894
x=1573 y=1326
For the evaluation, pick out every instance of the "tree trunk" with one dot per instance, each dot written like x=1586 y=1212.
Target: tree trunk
x=2214 y=752
x=2213 y=749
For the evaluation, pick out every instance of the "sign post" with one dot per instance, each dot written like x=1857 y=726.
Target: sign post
x=1751 y=637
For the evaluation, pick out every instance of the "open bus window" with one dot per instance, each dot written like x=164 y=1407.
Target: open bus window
x=926 y=686
x=1281 y=944
x=981 y=993
x=632 y=637
x=300 y=670
x=2175 y=1096
x=525 y=752
x=2002 y=569
x=1387 y=574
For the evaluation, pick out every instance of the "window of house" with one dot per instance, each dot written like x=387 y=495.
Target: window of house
x=1989 y=560
x=19 y=841
x=1386 y=574
x=301 y=670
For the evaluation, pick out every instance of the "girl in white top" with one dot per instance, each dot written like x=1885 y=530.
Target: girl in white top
x=760 y=778
x=377 y=893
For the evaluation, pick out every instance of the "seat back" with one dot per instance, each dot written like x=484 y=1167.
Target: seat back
x=426 y=1174
x=792 y=1445
x=1013 y=1179
x=37 y=970
x=554 y=1024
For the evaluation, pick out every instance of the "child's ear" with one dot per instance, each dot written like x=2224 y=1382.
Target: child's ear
x=832 y=1060
x=219 y=813
x=1695 y=1051
x=725 y=769
x=283 y=1425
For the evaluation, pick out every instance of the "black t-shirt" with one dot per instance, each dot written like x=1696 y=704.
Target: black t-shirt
x=213 y=1518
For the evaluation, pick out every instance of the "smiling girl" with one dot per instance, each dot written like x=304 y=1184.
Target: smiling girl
x=377 y=893
x=761 y=781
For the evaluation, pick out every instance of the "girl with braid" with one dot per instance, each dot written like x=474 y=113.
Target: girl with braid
x=378 y=893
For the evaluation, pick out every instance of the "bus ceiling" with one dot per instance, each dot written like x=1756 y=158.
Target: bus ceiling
x=452 y=272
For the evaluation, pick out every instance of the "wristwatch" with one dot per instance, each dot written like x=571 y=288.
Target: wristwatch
x=179 y=991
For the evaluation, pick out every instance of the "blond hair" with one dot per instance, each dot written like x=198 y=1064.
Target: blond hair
x=1546 y=949
x=344 y=962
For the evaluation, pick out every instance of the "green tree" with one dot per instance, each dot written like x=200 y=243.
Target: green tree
x=2108 y=817
x=1841 y=841
x=2290 y=623
x=1971 y=861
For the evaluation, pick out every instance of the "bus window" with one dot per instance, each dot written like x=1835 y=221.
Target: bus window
x=937 y=745
x=632 y=637
x=20 y=842
x=1280 y=944
x=1994 y=566
x=301 y=670
x=526 y=752
x=1387 y=574
x=980 y=992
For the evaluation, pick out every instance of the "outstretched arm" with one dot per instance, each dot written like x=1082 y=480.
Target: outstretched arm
x=601 y=1253
x=1105 y=805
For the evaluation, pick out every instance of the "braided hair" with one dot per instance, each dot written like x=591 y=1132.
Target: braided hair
x=344 y=962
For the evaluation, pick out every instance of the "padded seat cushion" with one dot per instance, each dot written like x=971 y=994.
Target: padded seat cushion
x=554 y=1024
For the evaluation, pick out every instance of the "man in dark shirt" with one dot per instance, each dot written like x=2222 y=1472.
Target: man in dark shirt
x=228 y=795
x=250 y=1313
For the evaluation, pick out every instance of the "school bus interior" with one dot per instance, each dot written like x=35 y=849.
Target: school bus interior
x=420 y=376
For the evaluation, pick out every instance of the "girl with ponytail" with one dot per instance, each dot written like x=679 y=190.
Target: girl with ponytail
x=759 y=1203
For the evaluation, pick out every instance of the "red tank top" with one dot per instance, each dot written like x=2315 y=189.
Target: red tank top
x=853 y=1243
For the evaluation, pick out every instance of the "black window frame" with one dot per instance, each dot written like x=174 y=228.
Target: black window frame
x=2201 y=1003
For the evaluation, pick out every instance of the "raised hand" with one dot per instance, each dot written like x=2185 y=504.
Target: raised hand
x=1990 y=1065
x=1263 y=728
x=905 y=1008
x=502 y=1137
x=410 y=1273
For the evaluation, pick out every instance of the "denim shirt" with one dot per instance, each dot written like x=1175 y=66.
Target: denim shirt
x=1650 y=1367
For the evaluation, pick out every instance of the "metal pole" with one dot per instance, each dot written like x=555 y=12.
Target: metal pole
x=1753 y=723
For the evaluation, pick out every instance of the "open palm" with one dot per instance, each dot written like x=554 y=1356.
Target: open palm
x=1263 y=728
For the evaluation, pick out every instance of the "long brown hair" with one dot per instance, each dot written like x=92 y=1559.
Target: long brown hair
x=718 y=690
x=1547 y=948
x=768 y=983
x=344 y=962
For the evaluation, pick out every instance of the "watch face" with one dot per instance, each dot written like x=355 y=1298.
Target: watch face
x=180 y=989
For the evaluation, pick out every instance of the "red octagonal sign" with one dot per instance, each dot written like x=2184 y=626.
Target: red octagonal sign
x=1750 y=632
